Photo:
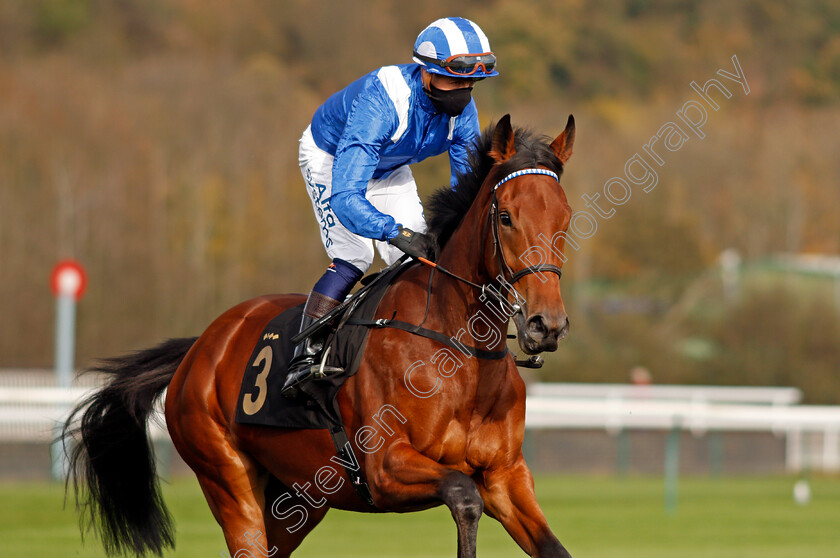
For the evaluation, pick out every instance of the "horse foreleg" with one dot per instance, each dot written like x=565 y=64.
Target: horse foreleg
x=409 y=479
x=460 y=494
x=509 y=497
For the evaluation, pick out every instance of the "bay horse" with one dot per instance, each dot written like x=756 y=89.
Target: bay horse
x=428 y=432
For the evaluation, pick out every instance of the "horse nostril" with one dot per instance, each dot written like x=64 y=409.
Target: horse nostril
x=564 y=329
x=537 y=328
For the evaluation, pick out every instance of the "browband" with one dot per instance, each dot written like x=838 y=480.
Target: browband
x=522 y=172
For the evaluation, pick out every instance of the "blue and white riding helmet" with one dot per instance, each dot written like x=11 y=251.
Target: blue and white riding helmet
x=455 y=47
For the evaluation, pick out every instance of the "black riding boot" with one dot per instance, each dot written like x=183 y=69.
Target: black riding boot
x=308 y=351
x=304 y=358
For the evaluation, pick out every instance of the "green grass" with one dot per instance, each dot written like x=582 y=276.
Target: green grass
x=594 y=517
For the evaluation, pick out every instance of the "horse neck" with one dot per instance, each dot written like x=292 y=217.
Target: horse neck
x=464 y=255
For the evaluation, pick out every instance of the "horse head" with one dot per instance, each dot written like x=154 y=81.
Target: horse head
x=528 y=220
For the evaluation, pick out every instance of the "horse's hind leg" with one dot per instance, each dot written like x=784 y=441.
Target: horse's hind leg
x=288 y=519
x=234 y=491
x=232 y=482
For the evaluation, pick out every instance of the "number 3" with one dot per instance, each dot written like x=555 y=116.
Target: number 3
x=249 y=404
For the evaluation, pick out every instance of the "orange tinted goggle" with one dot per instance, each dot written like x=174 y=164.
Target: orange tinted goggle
x=464 y=64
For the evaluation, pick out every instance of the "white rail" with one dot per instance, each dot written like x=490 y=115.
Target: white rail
x=30 y=413
x=698 y=409
x=710 y=394
x=31 y=406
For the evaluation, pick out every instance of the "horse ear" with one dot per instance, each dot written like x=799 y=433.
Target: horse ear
x=503 y=147
x=563 y=144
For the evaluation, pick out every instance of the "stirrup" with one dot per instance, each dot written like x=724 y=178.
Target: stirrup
x=299 y=377
x=322 y=370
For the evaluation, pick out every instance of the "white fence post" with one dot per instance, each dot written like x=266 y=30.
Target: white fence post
x=831 y=450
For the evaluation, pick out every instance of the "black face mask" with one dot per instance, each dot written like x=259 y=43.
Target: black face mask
x=451 y=102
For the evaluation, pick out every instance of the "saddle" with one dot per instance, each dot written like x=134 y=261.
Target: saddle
x=260 y=401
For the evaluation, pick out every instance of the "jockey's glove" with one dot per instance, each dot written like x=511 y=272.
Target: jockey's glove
x=415 y=244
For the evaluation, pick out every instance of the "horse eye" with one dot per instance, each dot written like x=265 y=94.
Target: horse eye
x=504 y=218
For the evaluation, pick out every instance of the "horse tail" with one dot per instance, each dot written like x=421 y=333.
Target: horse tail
x=114 y=457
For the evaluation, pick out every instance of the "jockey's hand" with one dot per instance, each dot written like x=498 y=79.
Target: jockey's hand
x=415 y=244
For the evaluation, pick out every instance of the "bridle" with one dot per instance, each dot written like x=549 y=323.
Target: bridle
x=498 y=290
x=493 y=217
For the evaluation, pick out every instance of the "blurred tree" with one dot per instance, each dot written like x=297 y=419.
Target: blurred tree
x=156 y=141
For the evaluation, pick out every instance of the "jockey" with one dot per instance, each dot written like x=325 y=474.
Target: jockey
x=355 y=157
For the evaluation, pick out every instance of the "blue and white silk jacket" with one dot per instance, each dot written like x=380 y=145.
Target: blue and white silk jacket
x=376 y=124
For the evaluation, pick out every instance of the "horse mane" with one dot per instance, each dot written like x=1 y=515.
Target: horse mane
x=448 y=206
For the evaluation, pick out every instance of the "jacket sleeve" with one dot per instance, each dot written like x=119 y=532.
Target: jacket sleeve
x=464 y=137
x=371 y=122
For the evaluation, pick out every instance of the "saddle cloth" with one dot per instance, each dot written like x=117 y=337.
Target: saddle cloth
x=260 y=401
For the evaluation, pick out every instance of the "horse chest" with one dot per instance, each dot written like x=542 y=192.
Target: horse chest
x=469 y=446
x=487 y=446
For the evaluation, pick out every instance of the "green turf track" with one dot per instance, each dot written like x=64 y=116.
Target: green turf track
x=594 y=517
